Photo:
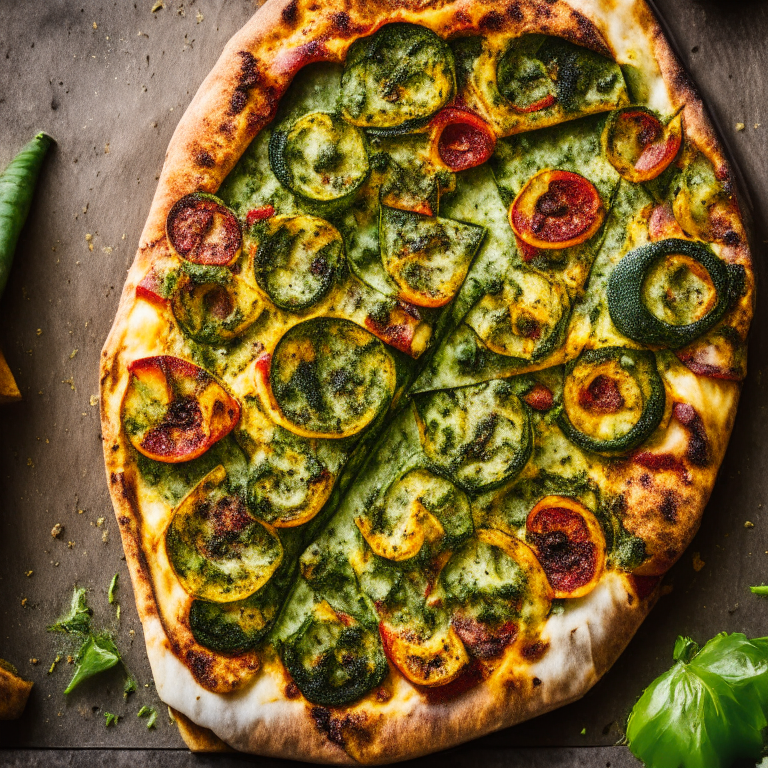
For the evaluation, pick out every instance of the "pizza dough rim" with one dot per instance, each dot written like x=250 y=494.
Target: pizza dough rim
x=207 y=143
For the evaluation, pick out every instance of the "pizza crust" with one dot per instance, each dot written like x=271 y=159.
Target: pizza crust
x=236 y=100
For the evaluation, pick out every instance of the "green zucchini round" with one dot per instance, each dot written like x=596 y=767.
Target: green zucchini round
x=217 y=550
x=288 y=484
x=334 y=662
x=524 y=79
x=320 y=158
x=613 y=399
x=235 y=627
x=400 y=75
x=330 y=377
x=525 y=317
x=297 y=260
x=420 y=513
x=214 y=306
x=633 y=286
x=479 y=436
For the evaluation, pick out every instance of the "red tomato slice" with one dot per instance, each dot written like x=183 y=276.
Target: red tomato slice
x=569 y=543
x=461 y=139
x=556 y=209
x=202 y=230
x=174 y=411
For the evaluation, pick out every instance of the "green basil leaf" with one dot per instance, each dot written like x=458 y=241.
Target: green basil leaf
x=97 y=654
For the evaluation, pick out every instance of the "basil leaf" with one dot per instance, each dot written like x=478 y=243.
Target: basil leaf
x=709 y=710
x=97 y=654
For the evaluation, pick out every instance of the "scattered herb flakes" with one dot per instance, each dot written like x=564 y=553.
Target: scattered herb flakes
x=112 y=588
x=150 y=713
x=78 y=619
x=53 y=665
x=111 y=719
x=96 y=655
x=698 y=563
x=73 y=353
x=129 y=687
x=761 y=590
x=117 y=612
x=583 y=732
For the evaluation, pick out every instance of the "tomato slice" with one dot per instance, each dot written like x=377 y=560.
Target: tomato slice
x=402 y=328
x=150 y=288
x=259 y=214
x=202 y=230
x=174 y=411
x=638 y=145
x=461 y=139
x=569 y=543
x=556 y=209
x=539 y=397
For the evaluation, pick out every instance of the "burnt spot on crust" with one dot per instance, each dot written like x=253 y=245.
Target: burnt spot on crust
x=535 y=651
x=668 y=507
x=339 y=729
x=292 y=691
x=698 y=444
x=123 y=520
x=204 y=159
x=514 y=12
x=383 y=695
x=238 y=101
x=227 y=128
x=249 y=70
x=340 y=21
x=536 y=682
x=493 y=21
x=291 y=12
x=201 y=666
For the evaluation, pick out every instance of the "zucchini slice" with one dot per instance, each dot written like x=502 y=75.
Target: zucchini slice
x=524 y=79
x=333 y=659
x=480 y=436
x=525 y=318
x=321 y=158
x=613 y=399
x=214 y=306
x=668 y=293
x=297 y=260
x=495 y=579
x=288 y=483
x=427 y=257
x=330 y=377
x=397 y=77
x=418 y=509
x=234 y=627
x=698 y=198
x=217 y=550
x=432 y=661
x=174 y=411
x=638 y=145
x=201 y=229
x=569 y=543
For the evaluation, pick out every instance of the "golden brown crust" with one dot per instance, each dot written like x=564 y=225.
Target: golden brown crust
x=196 y=738
x=235 y=101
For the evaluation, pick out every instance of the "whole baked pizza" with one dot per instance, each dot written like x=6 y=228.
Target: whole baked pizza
x=424 y=370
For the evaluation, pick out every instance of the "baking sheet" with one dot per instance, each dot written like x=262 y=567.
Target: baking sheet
x=109 y=81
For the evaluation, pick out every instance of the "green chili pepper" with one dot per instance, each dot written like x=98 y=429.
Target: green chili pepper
x=17 y=185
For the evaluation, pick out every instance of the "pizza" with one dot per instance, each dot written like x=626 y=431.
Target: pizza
x=424 y=369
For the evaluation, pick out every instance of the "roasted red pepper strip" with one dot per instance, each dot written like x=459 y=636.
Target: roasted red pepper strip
x=259 y=214
x=556 y=209
x=461 y=139
x=174 y=411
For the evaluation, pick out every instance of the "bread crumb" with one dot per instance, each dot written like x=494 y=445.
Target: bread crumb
x=73 y=353
x=28 y=573
x=24 y=602
x=94 y=400
x=39 y=331
x=100 y=522
x=56 y=530
x=34 y=661
x=199 y=17
x=748 y=524
x=698 y=563
x=71 y=544
x=740 y=126
x=157 y=6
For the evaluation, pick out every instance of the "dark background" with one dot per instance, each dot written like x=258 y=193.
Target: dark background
x=109 y=80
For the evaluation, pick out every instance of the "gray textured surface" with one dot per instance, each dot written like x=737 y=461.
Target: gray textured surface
x=109 y=80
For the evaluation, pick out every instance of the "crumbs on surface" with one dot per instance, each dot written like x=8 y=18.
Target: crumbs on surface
x=698 y=563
